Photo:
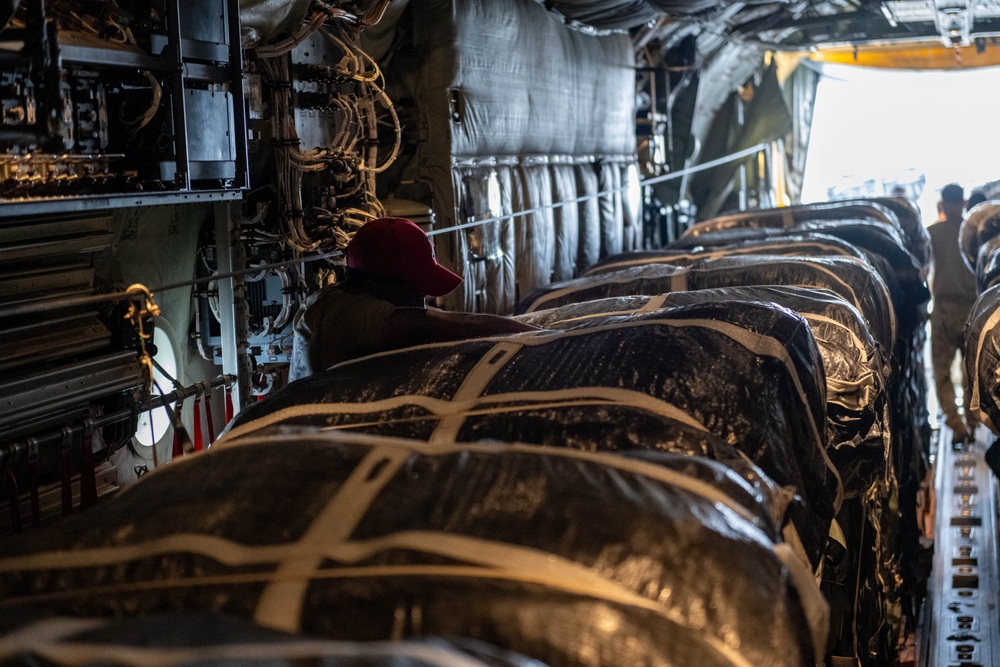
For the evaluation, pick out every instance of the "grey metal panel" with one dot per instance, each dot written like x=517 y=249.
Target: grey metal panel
x=88 y=203
x=60 y=247
x=216 y=52
x=233 y=303
x=13 y=284
x=212 y=170
x=12 y=231
x=210 y=126
x=204 y=20
x=26 y=398
x=51 y=340
x=90 y=55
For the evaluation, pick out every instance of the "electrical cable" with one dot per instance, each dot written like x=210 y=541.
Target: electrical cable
x=321 y=16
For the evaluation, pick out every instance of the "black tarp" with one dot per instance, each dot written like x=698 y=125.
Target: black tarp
x=981 y=225
x=569 y=557
x=905 y=281
x=200 y=639
x=855 y=366
x=854 y=281
x=982 y=357
x=988 y=264
x=904 y=274
x=896 y=213
x=608 y=386
x=812 y=245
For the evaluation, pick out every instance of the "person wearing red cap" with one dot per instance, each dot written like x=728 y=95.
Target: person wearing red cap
x=391 y=269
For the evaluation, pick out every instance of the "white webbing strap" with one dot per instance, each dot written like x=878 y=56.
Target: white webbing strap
x=474 y=384
x=280 y=605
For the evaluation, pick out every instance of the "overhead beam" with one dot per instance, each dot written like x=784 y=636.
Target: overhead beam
x=859 y=27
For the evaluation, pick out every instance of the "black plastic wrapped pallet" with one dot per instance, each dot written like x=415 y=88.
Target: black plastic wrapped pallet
x=858 y=440
x=813 y=245
x=860 y=581
x=880 y=238
x=982 y=358
x=203 y=639
x=981 y=225
x=918 y=241
x=988 y=264
x=882 y=243
x=743 y=236
x=911 y=433
x=854 y=281
x=897 y=213
x=606 y=387
x=571 y=558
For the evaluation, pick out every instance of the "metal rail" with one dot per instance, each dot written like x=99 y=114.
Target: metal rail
x=54 y=436
x=963 y=628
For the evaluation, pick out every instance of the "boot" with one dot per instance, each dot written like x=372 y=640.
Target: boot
x=959 y=431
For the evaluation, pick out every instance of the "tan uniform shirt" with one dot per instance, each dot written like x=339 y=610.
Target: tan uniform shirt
x=334 y=326
x=951 y=279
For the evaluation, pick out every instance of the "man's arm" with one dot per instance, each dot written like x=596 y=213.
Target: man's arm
x=416 y=326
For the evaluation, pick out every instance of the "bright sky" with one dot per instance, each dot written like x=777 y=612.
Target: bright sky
x=874 y=123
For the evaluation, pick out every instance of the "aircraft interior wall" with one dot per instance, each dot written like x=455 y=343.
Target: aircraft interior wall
x=714 y=450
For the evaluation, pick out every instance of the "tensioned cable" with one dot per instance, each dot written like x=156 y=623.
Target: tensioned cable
x=650 y=181
x=73 y=301
x=70 y=302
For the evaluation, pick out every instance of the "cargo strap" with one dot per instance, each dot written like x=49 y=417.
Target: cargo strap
x=198 y=442
x=178 y=448
x=10 y=480
x=88 y=474
x=492 y=404
x=473 y=386
x=66 y=472
x=280 y=604
x=36 y=511
x=209 y=422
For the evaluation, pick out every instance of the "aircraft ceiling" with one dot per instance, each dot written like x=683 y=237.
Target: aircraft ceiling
x=794 y=24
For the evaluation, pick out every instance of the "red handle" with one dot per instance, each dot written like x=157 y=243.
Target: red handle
x=198 y=445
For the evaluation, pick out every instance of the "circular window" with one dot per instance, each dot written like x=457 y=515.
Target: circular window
x=633 y=192
x=153 y=423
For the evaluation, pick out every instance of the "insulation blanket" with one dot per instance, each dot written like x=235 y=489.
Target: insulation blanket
x=855 y=367
x=854 y=281
x=218 y=640
x=519 y=83
x=571 y=558
x=506 y=88
x=814 y=245
x=982 y=357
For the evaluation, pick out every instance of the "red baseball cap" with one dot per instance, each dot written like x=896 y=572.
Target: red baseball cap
x=398 y=248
